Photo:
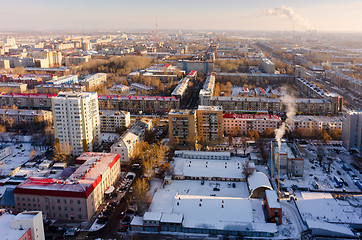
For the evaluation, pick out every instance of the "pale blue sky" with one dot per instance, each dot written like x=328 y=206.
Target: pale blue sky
x=322 y=15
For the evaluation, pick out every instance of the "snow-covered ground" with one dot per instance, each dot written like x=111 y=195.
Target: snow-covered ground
x=109 y=137
x=314 y=172
x=20 y=154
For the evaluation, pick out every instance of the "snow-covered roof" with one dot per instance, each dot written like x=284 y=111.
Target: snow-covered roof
x=257 y=180
x=320 y=228
x=209 y=168
x=80 y=184
x=172 y=218
x=7 y=231
x=152 y=216
x=272 y=198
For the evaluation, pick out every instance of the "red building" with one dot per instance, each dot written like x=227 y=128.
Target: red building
x=273 y=207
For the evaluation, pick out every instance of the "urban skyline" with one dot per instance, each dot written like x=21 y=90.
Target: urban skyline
x=281 y=15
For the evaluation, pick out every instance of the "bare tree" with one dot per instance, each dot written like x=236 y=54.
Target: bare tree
x=244 y=144
x=140 y=188
x=320 y=155
x=247 y=169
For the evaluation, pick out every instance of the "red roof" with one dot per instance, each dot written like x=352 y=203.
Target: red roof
x=67 y=188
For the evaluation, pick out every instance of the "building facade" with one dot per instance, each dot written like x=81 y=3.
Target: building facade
x=76 y=198
x=352 y=131
x=182 y=128
x=125 y=146
x=76 y=120
x=317 y=122
x=92 y=82
x=241 y=124
x=112 y=121
x=210 y=127
x=26 y=116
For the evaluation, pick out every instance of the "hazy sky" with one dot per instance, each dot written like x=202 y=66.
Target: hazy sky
x=322 y=15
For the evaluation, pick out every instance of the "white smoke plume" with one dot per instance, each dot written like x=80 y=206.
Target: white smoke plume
x=289 y=102
x=287 y=12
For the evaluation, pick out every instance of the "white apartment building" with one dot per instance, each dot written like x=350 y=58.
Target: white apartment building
x=352 y=131
x=126 y=144
x=317 y=122
x=91 y=82
x=76 y=120
x=267 y=66
x=111 y=120
x=75 y=198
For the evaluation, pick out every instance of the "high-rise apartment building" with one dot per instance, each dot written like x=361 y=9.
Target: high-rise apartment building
x=210 y=124
x=76 y=120
x=182 y=128
x=352 y=131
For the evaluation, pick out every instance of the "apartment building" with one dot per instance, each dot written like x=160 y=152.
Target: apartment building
x=13 y=87
x=91 y=82
x=182 y=128
x=27 y=100
x=135 y=104
x=352 y=84
x=125 y=146
x=75 y=198
x=267 y=66
x=210 y=124
x=21 y=116
x=55 y=89
x=317 y=122
x=76 y=120
x=30 y=81
x=69 y=79
x=352 y=130
x=236 y=124
x=112 y=121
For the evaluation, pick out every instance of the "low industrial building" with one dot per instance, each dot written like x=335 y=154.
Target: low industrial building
x=288 y=158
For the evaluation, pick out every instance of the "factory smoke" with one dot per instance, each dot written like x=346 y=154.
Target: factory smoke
x=287 y=12
x=289 y=102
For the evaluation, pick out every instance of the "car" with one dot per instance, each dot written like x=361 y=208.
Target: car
x=70 y=232
x=338 y=172
x=121 y=215
x=216 y=189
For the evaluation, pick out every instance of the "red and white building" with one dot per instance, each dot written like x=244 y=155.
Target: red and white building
x=75 y=198
x=242 y=123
